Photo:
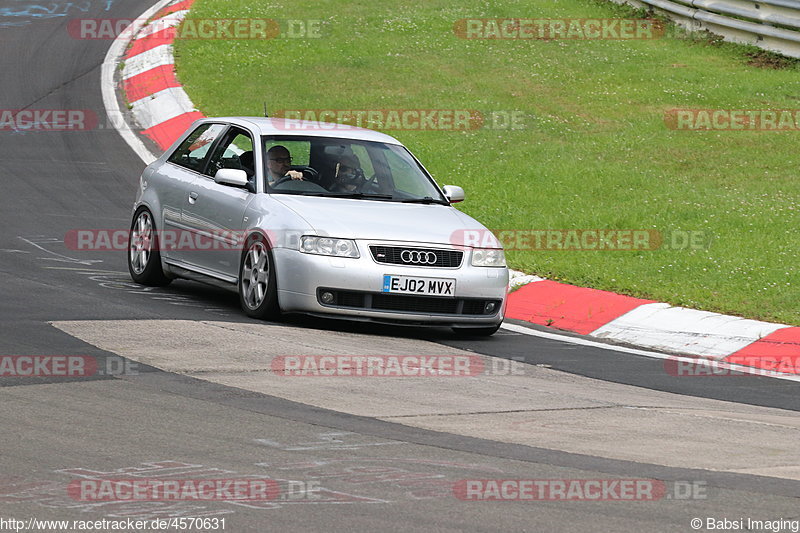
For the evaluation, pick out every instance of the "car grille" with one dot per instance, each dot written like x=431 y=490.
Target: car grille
x=415 y=304
x=409 y=256
x=369 y=301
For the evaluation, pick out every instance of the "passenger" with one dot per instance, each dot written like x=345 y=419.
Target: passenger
x=348 y=176
x=247 y=164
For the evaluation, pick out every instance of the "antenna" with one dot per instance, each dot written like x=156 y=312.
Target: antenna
x=266 y=115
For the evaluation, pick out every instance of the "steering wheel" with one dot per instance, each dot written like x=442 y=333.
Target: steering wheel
x=282 y=180
x=313 y=176
x=370 y=185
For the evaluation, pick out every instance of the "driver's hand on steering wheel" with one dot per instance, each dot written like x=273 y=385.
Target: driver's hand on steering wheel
x=294 y=174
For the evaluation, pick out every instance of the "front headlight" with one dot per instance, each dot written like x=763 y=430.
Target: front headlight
x=329 y=246
x=488 y=257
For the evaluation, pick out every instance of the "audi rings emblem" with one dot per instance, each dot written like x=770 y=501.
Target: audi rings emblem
x=418 y=257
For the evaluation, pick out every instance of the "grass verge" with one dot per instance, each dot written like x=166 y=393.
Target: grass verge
x=594 y=151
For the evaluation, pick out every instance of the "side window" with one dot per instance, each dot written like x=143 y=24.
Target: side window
x=193 y=151
x=235 y=151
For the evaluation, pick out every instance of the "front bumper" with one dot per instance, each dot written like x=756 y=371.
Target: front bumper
x=358 y=284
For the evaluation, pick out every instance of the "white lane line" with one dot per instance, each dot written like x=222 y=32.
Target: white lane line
x=113 y=111
x=61 y=257
x=721 y=365
x=90 y=270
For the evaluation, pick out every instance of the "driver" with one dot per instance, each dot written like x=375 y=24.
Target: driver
x=279 y=165
x=348 y=176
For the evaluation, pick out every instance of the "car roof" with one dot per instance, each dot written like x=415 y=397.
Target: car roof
x=292 y=127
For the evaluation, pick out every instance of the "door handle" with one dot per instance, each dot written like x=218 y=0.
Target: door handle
x=193 y=197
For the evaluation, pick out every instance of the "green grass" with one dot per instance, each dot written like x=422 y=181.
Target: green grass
x=594 y=152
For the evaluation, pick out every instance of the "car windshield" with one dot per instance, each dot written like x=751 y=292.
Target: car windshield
x=346 y=168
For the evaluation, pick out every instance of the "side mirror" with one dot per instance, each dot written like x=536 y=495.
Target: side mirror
x=454 y=193
x=231 y=176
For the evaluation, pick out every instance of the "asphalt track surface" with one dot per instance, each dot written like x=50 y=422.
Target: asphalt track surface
x=157 y=423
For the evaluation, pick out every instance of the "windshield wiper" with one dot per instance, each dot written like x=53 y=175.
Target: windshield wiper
x=297 y=193
x=361 y=195
x=425 y=200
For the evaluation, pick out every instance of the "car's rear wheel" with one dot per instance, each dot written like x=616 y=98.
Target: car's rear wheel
x=258 y=287
x=476 y=332
x=144 y=258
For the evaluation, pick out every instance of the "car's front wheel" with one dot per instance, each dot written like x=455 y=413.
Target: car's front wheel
x=144 y=258
x=258 y=287
x=476 y=332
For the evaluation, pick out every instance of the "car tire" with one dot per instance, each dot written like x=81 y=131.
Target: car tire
x=476 y=332
x=144 y=257
x=258 y=286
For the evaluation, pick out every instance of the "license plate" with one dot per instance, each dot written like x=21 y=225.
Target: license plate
x=415 y=285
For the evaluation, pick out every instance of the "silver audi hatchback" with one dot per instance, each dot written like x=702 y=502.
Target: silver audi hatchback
x=316 y=218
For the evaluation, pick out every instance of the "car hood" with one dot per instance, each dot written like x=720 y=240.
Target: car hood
x=377 y=220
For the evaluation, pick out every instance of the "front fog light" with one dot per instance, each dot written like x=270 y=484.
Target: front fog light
x=326 y=297
x=329 y=246
x=489 y=308
x=488 y=257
